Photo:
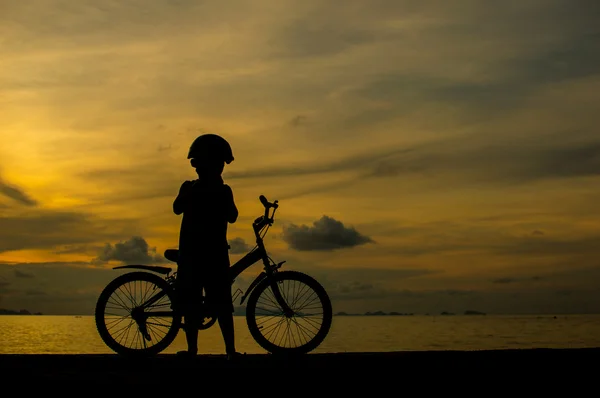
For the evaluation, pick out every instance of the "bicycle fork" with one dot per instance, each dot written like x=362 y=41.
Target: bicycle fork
x=287 y=311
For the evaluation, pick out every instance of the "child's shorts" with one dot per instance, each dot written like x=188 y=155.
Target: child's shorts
x=192 y=281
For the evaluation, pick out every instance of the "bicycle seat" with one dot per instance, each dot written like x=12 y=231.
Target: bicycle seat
x=172 y=255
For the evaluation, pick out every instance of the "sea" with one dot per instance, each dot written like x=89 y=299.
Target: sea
x=54 y=334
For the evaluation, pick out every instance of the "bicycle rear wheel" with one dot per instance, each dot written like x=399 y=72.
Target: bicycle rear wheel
x=134 y=315
x=298 y=332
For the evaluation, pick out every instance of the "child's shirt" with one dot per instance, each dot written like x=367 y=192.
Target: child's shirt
x=207 y=207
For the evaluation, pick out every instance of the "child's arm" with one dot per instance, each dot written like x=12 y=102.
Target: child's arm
x=231 y=211
x=180 y=202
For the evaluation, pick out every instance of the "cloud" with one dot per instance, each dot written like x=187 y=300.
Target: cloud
x=311 y=36
x=504 y=280
x=362 y=105
x=44 y=229
x=509 y=280
x=238 y=246
x=536 y=246
x=473 y=159
x=520 y=161
x=16 y=194
x=345 y=163
x=58 y=287
x=22 y=274
x=298 y=120
x=374 y=291
x=34 y=292
x=134 y=250
x=325 y=234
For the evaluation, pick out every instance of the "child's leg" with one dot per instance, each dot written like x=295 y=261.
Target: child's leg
x=191 y=336
x=227 y=330
x=219 y=294
x=187 y=297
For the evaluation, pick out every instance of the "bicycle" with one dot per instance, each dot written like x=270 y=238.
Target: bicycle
x=135 y=314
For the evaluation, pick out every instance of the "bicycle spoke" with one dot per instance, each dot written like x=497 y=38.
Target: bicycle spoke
x=276 y=328
x=302 y=326
x=120 y=302
x=124 y=332
x=127 y=332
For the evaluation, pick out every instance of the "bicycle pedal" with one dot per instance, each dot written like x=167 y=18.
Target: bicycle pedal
x=145 y=333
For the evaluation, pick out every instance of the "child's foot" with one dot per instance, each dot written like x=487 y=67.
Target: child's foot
x=232 y=356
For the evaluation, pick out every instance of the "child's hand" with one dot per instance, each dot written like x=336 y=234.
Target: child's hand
x=183 y=197
x=186 y=187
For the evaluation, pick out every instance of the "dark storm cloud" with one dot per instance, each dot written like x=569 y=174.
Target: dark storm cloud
x=238 y=246
x=134 y=250
x=46 y=229
x=15 y=193
x=325 y=234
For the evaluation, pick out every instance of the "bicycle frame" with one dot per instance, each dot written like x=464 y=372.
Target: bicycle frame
x=259 y=253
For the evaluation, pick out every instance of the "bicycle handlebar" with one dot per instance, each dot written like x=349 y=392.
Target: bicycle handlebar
x=264 y=201
x=268 y=205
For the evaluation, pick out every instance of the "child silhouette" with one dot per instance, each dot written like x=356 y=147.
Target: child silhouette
x=207 y=206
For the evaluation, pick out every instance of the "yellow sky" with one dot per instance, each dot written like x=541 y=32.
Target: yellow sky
x=456 y=143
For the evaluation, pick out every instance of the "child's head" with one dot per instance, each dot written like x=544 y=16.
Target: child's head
x=208 y=154
x=208 y=166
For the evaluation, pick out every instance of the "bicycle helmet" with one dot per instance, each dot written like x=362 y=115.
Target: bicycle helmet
x=211 y=145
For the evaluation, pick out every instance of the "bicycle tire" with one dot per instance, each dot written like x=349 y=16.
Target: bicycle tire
x=121 y=283
x=261 y=330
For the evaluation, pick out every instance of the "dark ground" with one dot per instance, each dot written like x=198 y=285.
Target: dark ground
x=346 y=373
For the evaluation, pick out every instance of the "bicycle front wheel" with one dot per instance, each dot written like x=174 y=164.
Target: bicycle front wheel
x=134 y=314
x=298 y=331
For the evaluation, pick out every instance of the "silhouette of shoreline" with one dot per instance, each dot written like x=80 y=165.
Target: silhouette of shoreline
x=4 y=311
x=394 y=313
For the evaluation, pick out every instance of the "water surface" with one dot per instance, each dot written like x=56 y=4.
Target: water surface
x=48 y=334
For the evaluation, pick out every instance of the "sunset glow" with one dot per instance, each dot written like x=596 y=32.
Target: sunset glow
x=427 y=156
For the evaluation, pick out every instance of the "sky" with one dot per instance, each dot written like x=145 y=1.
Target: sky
x=427 y=156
